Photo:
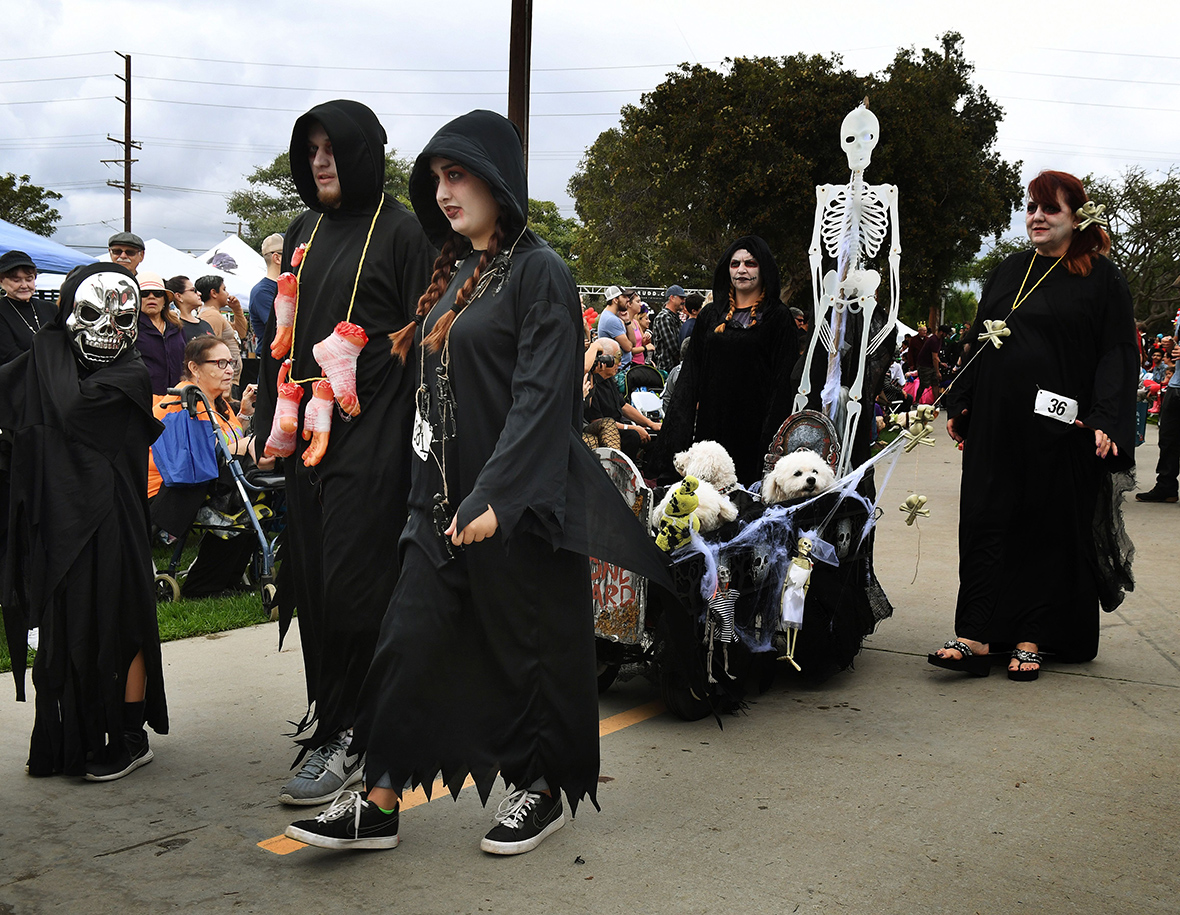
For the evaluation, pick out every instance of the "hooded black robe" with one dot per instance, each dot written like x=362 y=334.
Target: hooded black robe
x=78 y=541
x=734 y=387
x=347 y=513
x=486 y=662
x=1038 y=524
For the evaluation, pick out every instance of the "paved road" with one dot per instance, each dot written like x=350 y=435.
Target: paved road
x=892 y=788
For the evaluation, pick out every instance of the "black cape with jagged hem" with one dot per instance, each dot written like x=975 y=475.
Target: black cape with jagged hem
x=78 y=542
x=735 y=386
x=486 y=663
x=347 y=512
x=1035 y=500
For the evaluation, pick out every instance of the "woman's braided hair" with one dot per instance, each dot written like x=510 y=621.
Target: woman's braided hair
x=444 y=266
x=720 y=328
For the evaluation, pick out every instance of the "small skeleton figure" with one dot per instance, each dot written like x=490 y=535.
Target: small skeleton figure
x=794 y=595
x=851 y=224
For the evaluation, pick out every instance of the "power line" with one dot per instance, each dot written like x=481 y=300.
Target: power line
x=352 y=89
x=1111 y=53
x=5 y=60
x=1100 y=79
x=51 y=101
x=387 y=114
x=51 y=79
x=256 y=63
x=1054 y=101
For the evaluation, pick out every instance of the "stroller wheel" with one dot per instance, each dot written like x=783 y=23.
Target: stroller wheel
x=269 y=605
x=167 y=588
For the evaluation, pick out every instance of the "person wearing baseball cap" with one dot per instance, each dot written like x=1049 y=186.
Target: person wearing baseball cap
x=126 y=250
x=665 y=328
x=262 y=296
x=21 y=314
x=615 y=321
x=160 y=340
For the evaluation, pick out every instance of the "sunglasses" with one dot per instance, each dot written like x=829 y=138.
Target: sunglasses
x=153 y=294
x=121 y=252
x=222 y=364
x=1049 y=209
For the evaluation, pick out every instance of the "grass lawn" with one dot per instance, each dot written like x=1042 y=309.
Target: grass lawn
x=183 y=618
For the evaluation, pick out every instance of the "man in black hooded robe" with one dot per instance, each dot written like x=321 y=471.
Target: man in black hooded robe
x=78 y=537
x=735 y=382
x=347 y=512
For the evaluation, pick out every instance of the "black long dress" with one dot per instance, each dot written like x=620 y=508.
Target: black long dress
x=1037 y=519
x=352 y=505
x=735 y=386
x=78 y=542
x=486 y=661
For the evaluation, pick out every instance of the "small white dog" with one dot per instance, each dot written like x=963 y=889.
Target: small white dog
x=709 y=463
x=796 y=475
x=714 y=509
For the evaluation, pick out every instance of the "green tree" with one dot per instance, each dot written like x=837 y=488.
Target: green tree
x=271 y=201
x=561 y=233
x=710 y=155
x=1144 y=215
x=27 y=205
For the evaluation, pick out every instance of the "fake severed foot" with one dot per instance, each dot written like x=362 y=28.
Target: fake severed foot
x=281 y=441
x=317 y=423
x=337 y=355
x=284 y=315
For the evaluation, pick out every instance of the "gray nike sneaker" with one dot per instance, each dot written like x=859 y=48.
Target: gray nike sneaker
x=325 y=773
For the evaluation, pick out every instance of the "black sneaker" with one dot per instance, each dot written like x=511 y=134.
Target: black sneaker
x=1156 y=495
x=136 y=753
x=351 y=822
x=523 y=820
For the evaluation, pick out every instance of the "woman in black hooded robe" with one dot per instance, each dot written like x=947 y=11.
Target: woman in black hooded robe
x=735 y=382
x=79 y=546
x=486 y=661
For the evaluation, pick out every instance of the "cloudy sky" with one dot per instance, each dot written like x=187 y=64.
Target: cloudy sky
x=1086 y=87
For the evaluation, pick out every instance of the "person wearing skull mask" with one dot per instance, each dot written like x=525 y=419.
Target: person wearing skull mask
x=362 y=260
x=78 y=404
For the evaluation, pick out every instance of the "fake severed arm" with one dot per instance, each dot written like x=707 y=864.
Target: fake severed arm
x=284 y=309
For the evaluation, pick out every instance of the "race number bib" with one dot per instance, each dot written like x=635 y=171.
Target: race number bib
x=1056 y=406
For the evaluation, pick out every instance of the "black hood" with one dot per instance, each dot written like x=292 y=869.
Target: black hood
x=358 y=143
x=488 y=145
x=766 y=266
x=69 y=286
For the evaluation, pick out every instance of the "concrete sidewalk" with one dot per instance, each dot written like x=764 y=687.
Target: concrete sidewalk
x=892 y=788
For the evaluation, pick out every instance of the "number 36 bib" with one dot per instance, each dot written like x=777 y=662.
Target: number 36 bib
x=1056 y=406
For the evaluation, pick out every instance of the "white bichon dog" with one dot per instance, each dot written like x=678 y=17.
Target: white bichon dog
x=796 y=475
x=713 y=511
x=709 y=463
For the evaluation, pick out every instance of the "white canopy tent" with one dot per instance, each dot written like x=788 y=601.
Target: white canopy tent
x=234 y=255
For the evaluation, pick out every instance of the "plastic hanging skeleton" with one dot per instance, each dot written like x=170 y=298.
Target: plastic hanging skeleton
x=851 y=225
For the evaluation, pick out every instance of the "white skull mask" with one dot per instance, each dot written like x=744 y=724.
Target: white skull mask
x=105 y=318
x=858 y=137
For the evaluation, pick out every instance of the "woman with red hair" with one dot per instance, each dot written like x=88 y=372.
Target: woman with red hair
x=1046 y=414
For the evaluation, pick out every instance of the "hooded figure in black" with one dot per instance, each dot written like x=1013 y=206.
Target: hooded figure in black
x=735 y=382
x=486 y=661
x=79 y=545
x=347 y=512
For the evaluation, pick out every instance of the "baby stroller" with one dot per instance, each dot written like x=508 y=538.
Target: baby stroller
x=231 y=506
x=642 y=388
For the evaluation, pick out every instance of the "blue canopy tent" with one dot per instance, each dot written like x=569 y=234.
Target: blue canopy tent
x=49 y=256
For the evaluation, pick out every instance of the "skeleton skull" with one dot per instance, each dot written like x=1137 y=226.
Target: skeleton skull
x=858 y=137
x=843 y=537
x=104 y=320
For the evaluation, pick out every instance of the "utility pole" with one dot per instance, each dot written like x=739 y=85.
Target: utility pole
x=127 y=143
x=520 y=62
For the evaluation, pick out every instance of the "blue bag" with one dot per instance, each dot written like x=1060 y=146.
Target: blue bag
x=184 y=452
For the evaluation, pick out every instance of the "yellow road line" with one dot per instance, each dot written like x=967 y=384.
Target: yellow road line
x=281 y=845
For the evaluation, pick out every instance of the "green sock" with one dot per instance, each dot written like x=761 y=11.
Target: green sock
x=387 y=812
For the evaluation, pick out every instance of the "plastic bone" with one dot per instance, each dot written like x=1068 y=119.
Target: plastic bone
x=336 y=355
x=914 y=506
x=284 y=308
x=317 y=423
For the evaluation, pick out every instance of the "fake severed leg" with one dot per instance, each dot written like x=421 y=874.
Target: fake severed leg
x=317 y=423
x=337 y=356
x=284 y=315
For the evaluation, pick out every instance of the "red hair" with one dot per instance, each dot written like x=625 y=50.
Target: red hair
x=1084 y=246
x=444 y=266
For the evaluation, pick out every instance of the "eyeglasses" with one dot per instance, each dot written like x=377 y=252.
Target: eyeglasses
x=153 y=294
x=222 y=364
x=1049 y=209
x=121 y=252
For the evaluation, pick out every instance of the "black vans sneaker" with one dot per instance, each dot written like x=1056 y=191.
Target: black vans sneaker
x=136 y=753
x=523 y=820
x=351 y=822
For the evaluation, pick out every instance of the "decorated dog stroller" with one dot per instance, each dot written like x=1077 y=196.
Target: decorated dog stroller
x=230 y=503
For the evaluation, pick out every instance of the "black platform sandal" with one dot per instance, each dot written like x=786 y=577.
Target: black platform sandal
x=1025 y=657
x=978 y=665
